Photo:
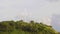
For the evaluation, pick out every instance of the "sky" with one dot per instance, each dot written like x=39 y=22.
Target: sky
x=38 y=10
x=56 y=22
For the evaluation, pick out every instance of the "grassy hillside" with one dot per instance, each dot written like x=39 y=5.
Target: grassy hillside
x=21 y=27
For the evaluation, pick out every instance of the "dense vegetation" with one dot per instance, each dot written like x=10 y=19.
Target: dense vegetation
x=21 y=27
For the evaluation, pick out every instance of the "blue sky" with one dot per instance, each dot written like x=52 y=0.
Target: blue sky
x=37 y=10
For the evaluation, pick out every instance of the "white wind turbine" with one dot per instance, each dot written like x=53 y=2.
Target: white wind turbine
x=22 y=15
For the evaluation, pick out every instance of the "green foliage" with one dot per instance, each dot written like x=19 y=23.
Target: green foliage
x=21 y=27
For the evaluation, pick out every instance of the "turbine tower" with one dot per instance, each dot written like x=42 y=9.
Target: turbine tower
x=22 y=15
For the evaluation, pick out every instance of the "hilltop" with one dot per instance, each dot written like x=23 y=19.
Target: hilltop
x=21 y=27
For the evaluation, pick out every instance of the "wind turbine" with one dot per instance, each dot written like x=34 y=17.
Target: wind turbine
x=22 y=15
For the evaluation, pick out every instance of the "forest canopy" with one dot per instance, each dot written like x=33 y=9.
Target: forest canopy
x=21 y=27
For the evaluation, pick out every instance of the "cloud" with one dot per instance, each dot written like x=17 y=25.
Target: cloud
x=46 y=20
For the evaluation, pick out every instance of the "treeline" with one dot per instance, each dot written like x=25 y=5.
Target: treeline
x=21 y=27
